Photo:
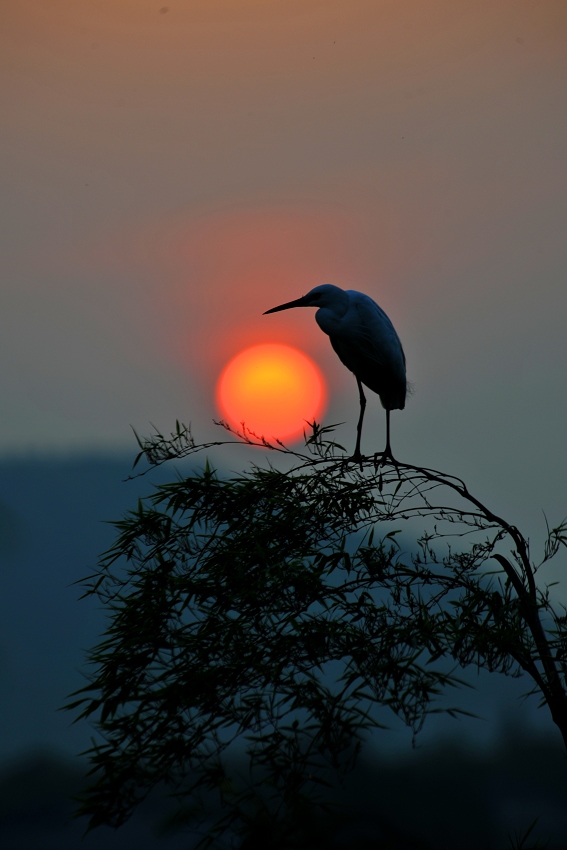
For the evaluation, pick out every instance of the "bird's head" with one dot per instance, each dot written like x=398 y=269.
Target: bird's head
x=326 y=295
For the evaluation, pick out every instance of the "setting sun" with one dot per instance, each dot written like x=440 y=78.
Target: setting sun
x=273 y=389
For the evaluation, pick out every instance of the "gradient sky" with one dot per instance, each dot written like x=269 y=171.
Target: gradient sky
x=172 y=169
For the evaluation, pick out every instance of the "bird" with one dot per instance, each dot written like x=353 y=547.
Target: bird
x=367 y=344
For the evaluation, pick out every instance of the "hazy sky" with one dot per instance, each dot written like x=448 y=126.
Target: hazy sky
x=172 y=169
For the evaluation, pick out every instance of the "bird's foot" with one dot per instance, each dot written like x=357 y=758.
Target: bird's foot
x=357 y=458
x=386 y=457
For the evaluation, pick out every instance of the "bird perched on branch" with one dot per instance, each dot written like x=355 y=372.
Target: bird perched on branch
x=365 y=340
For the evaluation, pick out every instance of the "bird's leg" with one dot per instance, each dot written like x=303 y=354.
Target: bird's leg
x=357 y=455
x=387 y=453
x=388 y=449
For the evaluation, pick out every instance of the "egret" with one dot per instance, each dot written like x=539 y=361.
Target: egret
x=367 y=344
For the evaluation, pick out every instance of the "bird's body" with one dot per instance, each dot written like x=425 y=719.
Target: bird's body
x=365 y=341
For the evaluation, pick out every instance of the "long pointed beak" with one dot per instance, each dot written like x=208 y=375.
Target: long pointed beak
x=299 y=302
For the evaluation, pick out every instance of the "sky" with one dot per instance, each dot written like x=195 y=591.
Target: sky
x=170 y=170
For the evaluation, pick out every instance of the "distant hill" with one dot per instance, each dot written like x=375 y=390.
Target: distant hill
x=52 y=529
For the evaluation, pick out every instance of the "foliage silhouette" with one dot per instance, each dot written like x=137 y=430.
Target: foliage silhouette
x=259 y=619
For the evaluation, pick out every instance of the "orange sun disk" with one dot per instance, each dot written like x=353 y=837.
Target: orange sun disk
x=274 y=389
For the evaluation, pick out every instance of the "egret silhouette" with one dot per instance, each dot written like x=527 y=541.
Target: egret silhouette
x=365 y=340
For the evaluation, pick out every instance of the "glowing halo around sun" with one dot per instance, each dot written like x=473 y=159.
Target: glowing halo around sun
x=274 y=389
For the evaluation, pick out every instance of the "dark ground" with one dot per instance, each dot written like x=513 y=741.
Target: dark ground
x=443 y=799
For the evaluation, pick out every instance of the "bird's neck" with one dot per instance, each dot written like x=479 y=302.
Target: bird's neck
x=328 y=320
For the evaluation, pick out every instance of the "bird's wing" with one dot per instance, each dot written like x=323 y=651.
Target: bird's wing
x=369 y=336
x=368 y=345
